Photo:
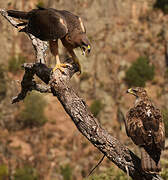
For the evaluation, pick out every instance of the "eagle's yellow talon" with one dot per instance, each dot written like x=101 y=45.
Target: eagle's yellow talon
x=60 y=67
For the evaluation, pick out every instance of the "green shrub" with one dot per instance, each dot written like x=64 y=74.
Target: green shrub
x=139 y=72
x=33 y=112
x=3 y=85
x=164 y=172
x=165 y=120
x=3 y=172
x=162 y=4
x=26 y=173
x=40 y=4
x=15 y=62
x=66 y=172
x=96 y=107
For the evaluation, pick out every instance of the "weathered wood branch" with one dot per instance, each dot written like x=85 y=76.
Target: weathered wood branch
x=28 y=83
x=59 y=85
x=40 y=47
x=87 y=124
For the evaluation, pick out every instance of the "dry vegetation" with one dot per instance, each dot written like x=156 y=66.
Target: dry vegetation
x=122 y=34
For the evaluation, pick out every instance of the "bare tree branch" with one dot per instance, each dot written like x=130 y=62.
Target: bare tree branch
x=8 y=18
x=88 y=125
x=39 y=46
x=28 y=83
x=59 y=85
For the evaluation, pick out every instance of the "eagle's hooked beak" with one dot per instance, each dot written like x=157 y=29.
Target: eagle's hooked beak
x=131 y=91
x=88 y=49
x=85 y=49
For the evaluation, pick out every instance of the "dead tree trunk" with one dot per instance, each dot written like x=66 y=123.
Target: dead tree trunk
x=59 y=85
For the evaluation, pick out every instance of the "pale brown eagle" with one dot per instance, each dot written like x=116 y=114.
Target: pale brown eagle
x=144 y=125
x=49 y=24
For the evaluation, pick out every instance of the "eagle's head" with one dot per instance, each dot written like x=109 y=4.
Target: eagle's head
x=138 y=92
x=80 y=40
x=85 y=48
x=83 y=42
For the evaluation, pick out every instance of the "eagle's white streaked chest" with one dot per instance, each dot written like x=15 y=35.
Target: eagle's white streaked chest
x=148 y=111
x=146 y=108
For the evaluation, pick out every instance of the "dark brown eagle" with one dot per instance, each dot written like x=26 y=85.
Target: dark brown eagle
x=144 y=125
x=49 y=24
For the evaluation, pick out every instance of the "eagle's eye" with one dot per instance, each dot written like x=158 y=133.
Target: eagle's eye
x=134 y=90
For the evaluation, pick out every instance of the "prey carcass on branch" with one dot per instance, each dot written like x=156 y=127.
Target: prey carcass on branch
x=58 y=84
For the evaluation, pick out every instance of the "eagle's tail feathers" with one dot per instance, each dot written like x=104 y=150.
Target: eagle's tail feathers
x=18 y=14
x=148 y=163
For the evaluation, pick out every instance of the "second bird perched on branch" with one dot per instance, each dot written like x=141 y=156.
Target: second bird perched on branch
x=144 y=125
x=49 y=24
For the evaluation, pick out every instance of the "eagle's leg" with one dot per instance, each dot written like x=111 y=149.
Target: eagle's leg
x=59 y=65
x=54 y=50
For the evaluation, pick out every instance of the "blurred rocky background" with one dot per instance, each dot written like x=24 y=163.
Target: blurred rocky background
x=38 y=140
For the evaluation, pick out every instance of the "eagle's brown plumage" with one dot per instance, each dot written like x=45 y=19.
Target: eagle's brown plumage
x=49 y=24
x=144 y=125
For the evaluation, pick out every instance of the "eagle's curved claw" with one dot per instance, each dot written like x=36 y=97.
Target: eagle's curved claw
x=60 y=67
